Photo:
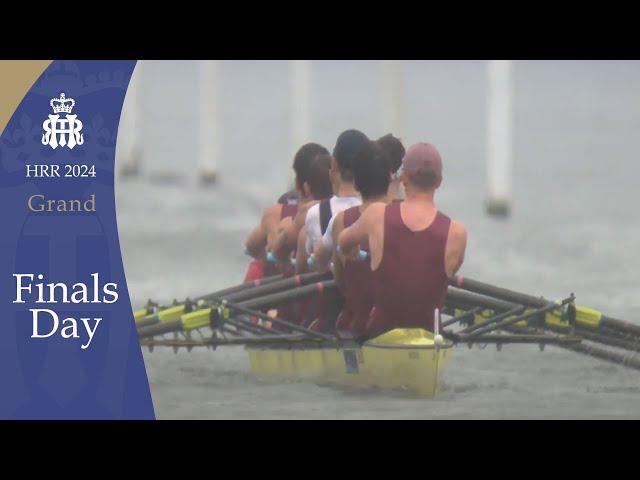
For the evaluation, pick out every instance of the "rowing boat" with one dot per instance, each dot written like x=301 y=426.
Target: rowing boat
x=407 y=359
x=411 y=359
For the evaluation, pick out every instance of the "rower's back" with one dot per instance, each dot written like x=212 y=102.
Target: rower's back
x=372 y=176
x=419 y=248
x=411 y=279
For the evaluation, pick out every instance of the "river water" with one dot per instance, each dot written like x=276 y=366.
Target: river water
x=575 y=225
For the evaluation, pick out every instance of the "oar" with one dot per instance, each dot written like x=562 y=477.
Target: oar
x=469 y=300
x=280 y=286
x=585 y=316
x=611 y=340
x=205 y=316
x=457 y=297
x=198 y=319
x=517 y=317
x=278 y=321
x=184 y=323
x=173 y=313
x=151 y=307
x=464 y=317
x=631 y=361
x=222 y=341
x=514 y=338
x=475 y=328
x=268 y=301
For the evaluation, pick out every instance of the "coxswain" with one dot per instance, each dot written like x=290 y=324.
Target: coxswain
x=414 y=247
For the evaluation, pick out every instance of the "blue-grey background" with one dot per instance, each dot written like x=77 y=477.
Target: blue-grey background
x=575 y=224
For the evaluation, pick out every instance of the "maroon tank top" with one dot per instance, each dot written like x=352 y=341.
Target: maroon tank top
x=358 y=294
x=287 y=210
x=289 y=310
x=411 y=280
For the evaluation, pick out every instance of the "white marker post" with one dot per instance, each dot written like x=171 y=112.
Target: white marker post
x=209 y=126
x=499 y=141
x=128 y=142
x=394 y=108
x=300 y=113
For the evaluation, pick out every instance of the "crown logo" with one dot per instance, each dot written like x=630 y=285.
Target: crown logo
x=62 y=104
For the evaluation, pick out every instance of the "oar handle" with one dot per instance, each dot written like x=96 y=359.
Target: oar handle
x=311 y=260
x=272 y=258
x=362 y=254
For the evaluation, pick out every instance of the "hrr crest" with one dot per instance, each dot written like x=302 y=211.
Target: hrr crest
x=62 y=131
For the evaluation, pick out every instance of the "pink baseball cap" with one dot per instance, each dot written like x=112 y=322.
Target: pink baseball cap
x=420 y=158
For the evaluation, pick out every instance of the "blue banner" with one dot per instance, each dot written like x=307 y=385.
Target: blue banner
x=68 y=343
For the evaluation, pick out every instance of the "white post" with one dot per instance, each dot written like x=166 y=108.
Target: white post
x=128 y=142
x=300 y=87
x=394 y=112
x=209 y=126
x=499 y=141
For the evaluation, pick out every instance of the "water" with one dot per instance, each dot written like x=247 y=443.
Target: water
x=575 y=225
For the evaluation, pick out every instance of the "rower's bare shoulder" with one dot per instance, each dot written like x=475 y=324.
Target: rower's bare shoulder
x=374 y=213
x=272 y=212
x=285 y=223
x=458 y=232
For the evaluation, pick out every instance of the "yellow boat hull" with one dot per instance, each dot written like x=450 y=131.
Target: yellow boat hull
x=404 y=358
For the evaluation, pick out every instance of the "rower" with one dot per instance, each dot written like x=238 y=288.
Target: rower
x=315 y=217
x=372 y=179
x=257 y=241
x=348 y=145
x=394 y=152
x=318 y=187
x=414 y=247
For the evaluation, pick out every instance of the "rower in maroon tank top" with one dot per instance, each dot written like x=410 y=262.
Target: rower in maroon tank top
x=357 y=290
x=316 y=187
x=372 y=177
x=259 y=267
x=411 y=279
x=288 y=210
x=415 y=248
x=259 y=239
